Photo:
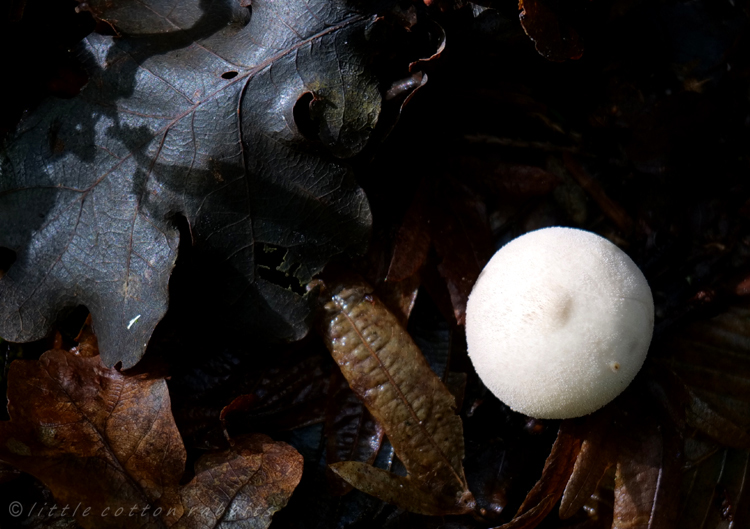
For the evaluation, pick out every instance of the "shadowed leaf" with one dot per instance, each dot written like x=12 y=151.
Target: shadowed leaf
x=648 y=471
x=715 y=491
x=712 y=360
x=598 y=453
x=388 y=372
x=462 y=239
x=352 y=432
x=95 y=436
x=241 y=487
x=193 y=111
x=557 y=469
x=412 y=239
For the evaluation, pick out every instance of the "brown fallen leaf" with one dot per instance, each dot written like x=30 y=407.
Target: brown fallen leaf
x=598 y=453
x=554 y=39
x=712 y=362
x=715 y=490
x=648 y=472
x=400 y=297
x=95 y=436
x=352 y=432
x=242 y=486
x=557 y=470
x=388 y=372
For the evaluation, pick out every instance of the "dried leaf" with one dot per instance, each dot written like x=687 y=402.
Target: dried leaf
x=553 y=39
x=352 y=432
x=712 y=359
x=598 y=453
x=7 y=473
x=557 y=469
x=715 y=492
x=91 y=434
x=241 y=487
x=403 y=492
x=523 y=181
x=108 y=441
x=648 y=472
x=388 y=372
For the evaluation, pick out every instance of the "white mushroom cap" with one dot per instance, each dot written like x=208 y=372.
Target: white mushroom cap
x=559 y=323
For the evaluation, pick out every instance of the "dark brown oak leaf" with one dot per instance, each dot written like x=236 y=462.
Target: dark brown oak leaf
x=96 y=437
x=234 y=119
x=388 y=372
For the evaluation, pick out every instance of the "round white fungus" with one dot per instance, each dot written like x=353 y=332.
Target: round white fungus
x=559 y=323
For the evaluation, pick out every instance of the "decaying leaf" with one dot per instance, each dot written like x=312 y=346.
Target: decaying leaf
x=95 y=436
x=197 y=109
x=241 y=487
x=388 y=372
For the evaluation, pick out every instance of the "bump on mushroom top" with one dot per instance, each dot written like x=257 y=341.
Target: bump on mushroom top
x=559 y=323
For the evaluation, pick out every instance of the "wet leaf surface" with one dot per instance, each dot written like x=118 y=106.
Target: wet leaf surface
x=387 y=371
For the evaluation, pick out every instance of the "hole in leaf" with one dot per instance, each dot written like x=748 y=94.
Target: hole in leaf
x=7 y=258
x=268 y=260
x=71 y=324
x=229 y=75
x=306 y=125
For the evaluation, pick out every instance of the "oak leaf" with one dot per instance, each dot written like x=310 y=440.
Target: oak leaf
x=96 y=437
x=191 y=111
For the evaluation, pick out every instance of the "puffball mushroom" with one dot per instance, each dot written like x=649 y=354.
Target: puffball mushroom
x=559 y=323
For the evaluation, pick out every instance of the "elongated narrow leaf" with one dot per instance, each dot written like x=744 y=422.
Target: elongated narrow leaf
x=557 y=469
x=598 y=453
x=648 y=472
x=388 y=372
